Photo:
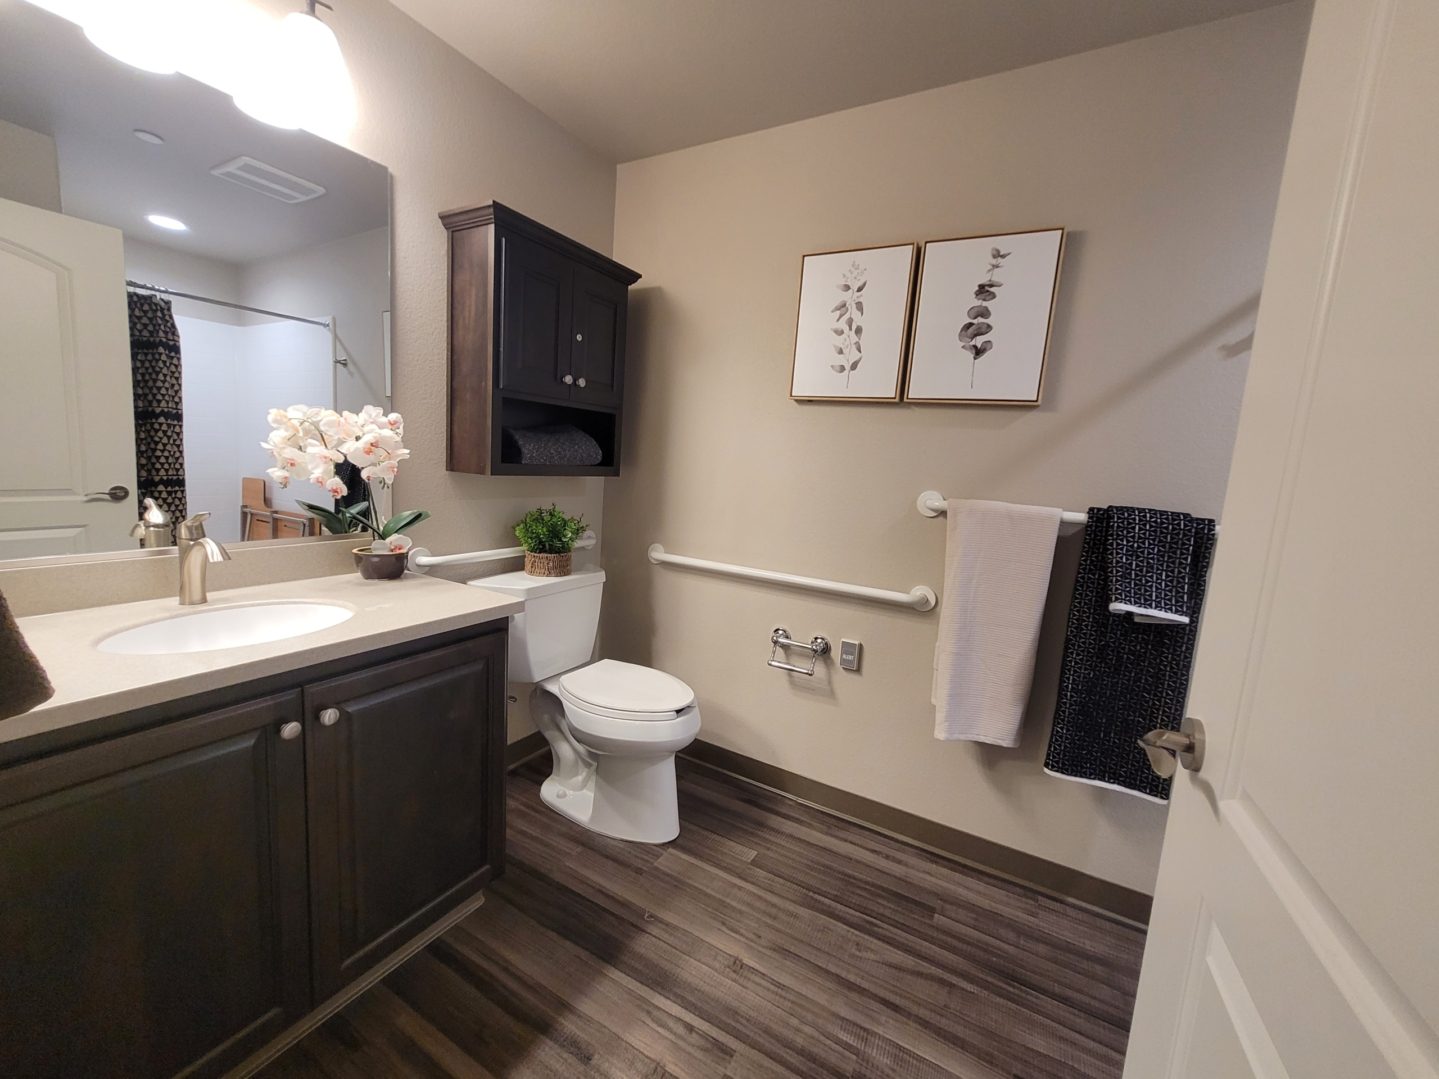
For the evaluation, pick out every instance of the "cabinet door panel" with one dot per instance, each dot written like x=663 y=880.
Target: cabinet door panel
x=600 y=307
x=152 y=898
x=404 y=797
x=535 y=305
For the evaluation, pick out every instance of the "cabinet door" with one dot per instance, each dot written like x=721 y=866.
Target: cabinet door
x=152 y=898
x=535 y=311
x=598 y=345
x=406 y=799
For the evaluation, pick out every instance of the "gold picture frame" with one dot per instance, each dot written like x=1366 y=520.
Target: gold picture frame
x=852 y=323
x=960 y=276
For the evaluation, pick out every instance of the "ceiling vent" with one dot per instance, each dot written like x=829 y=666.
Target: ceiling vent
x=267 y=180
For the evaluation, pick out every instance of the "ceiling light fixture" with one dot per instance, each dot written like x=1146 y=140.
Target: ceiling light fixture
x=304 y=81
x=148 y=136
x=148 y=34
x=165 y=221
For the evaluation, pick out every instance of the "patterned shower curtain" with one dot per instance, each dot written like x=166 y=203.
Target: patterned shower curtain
x=159 y=420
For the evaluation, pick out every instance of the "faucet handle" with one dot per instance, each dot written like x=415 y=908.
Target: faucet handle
x=193 y=527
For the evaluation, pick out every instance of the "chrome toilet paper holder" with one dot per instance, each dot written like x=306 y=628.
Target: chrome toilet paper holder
x=780 y=639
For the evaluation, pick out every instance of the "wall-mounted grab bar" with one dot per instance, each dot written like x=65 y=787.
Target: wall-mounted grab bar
x=919 y=598
x=421 y=560
x=933 y=504
x=780 y=638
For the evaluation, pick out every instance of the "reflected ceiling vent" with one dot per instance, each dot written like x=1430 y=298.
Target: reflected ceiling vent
x=267 y=180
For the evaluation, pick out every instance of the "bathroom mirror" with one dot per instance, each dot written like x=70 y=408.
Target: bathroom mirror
x=170 y=269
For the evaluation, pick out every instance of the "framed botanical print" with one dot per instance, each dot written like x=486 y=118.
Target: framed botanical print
x=853 y=314
x=981 y=329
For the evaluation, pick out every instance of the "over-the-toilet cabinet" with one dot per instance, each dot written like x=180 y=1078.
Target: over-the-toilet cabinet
x=172 y=899
x=537 y=338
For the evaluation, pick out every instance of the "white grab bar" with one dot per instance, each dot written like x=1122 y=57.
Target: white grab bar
x=919 y=598
x=421 y=560
x=933 y=504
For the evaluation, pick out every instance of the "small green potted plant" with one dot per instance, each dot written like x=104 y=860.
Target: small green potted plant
x=548 y=537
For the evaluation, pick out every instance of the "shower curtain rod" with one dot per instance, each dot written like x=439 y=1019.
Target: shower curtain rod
x=140 y=285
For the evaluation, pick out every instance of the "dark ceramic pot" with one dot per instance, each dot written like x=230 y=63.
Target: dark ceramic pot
x=380 y=567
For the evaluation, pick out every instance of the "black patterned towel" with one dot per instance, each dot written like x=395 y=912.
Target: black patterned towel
x=1150 y=552
x=1121 y=678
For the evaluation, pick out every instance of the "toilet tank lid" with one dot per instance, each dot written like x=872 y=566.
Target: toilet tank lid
x=522 y=584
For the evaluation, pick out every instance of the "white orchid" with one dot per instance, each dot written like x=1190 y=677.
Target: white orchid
x=308 y=442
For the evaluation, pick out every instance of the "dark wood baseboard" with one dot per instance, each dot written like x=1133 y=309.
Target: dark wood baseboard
x=1050 y=877
x=522 y=749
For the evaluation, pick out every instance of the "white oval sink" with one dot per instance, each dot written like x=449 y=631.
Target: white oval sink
x=225 y=627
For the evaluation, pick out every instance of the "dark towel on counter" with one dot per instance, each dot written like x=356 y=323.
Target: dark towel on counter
x=1149 y=556
x=23 y=683
x=1121 y=678
x=555 y=444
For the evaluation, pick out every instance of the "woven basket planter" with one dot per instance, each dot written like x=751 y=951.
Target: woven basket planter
x=547 y=565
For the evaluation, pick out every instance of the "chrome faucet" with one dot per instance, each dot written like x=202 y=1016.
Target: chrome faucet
x=197 y=551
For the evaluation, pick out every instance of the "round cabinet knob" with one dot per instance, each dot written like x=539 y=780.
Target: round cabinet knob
x=329 y=717
x=579 y=337
x=568 y=380
x=290 y=731
x=580 y=383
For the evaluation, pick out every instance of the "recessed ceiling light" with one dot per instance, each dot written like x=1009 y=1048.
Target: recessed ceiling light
x=174 y=224
x=148 y=136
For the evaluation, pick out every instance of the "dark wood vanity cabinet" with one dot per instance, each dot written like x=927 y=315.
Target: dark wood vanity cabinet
x=173 y=899
x=537 y=338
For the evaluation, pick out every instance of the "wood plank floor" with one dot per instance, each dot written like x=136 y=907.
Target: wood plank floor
x=771 y=939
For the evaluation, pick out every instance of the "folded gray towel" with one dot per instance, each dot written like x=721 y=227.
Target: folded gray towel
x=555 y=444
x=23 y=682
x=1150 y=552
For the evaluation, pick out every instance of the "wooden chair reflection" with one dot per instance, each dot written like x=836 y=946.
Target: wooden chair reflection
x=258 y=520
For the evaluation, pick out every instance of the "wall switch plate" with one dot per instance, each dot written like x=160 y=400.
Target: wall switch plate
x=849 y=655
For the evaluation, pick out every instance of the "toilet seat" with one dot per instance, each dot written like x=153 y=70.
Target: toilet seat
x=625 y=691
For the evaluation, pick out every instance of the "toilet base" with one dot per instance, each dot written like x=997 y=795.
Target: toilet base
x=629 y=798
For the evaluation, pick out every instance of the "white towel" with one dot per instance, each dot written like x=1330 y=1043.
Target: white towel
x=996 y=576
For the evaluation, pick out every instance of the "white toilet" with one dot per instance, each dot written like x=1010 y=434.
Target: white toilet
x=614 y=728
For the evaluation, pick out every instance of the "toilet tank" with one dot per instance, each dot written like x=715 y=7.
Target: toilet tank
x=556 y=631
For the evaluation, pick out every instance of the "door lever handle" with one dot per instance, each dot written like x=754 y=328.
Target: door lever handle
x=118 y=493
x=1167 y=750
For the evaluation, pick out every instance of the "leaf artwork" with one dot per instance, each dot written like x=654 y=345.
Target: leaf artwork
x=847 y=313
x=979 y=326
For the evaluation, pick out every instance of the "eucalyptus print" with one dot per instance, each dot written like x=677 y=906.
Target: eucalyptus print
x=979 y=325
x=849 y=318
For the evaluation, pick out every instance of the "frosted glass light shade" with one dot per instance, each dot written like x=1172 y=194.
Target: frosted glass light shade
x=301 y=80
x=148 y=34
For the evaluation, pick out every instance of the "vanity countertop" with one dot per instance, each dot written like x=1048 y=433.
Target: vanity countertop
x=90 y=684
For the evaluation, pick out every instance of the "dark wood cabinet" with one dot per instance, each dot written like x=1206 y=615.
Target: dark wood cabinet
x=173 y=899
x=153 y=912
x=403 y=799
x=537 y=338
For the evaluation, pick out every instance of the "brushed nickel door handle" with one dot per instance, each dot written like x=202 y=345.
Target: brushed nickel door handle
x=118 y=493
x=290 y=731
x=580 y=383
x=329 y=717
x=1167 y=750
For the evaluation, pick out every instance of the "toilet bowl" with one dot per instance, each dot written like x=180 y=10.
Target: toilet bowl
x=613 y=728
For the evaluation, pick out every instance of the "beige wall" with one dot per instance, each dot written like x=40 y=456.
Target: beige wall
x=29 y=167
x=1162 y=156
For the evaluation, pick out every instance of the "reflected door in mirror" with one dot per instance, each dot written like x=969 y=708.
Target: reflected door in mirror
x=65 y=366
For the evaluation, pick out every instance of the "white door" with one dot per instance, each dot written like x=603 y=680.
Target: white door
x=1296 y=921
x=65 y=407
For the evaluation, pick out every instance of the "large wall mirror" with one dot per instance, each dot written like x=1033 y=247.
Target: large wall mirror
x=170 y=269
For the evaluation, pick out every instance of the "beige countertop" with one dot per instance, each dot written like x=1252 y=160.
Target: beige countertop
x=90 y=684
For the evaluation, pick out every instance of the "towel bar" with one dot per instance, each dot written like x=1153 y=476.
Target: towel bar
x=919 y=598
x=933 y=504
